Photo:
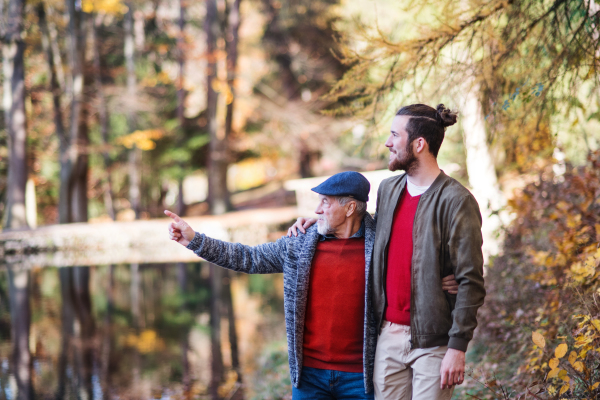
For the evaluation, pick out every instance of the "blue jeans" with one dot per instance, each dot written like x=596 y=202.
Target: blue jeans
x=323 y=384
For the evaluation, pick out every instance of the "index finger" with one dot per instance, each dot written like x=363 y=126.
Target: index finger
x=173 y=215
x=448 y=278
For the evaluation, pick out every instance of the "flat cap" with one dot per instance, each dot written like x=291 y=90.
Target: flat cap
x=351 y=184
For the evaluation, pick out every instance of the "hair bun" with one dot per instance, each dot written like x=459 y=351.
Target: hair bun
x=445 y=116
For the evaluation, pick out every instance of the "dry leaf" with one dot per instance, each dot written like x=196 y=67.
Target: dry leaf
x=538 y=339
x=561 y=350
x=564 y=389
x=572 y=357
x=553 y=363
x=553 y=373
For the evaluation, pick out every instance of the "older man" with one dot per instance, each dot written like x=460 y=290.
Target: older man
x=331 y=330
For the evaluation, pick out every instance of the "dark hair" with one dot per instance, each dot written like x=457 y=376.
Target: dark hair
x=428 y=123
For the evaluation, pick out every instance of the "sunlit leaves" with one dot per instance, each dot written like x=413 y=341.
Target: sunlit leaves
x=538 y=339
x=114 y=7
x=560 y=351
x=146 y=342
x=144 y=140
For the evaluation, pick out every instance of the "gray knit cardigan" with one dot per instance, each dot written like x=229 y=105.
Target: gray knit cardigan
x=293 y=257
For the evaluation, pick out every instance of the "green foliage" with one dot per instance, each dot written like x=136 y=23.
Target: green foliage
x=273 y=374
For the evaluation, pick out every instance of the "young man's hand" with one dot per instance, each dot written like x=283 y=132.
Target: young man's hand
x=179 y=230
x=449 y=284
x=302 y=224
x=453 y=369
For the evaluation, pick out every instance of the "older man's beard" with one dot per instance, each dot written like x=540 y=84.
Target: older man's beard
x=409 y=162
x=323 y=227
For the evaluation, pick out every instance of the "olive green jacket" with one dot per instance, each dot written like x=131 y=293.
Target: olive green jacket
x=446 y=240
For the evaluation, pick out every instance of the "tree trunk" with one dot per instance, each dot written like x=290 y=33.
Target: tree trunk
x=233 y=338
x=20 y=315
x=83 y=311
x=67 y=320
x=185 y=362
x=276 y=36
x=218 y=195
x=13 y=50
x=72 y=205
x=480 y=167
x=216 y=282
x=106 y=351
x=181 y=93
x=55 y=88
x=231 y=43
x=102 y=119
x=135 y=154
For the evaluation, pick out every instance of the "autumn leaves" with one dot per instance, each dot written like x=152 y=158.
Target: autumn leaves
x=577 y=369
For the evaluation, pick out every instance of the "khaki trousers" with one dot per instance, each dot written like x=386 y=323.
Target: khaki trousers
x=404 y=374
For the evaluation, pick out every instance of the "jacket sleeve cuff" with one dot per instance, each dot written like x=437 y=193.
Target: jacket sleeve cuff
x=196 y=242
x=458 y=344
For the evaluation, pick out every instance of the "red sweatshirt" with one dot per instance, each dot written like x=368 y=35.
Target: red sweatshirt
x=400 y=253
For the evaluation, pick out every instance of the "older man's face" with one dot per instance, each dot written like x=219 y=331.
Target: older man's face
x=331 y=215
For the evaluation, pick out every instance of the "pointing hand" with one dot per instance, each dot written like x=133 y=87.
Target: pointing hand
x=179 y=230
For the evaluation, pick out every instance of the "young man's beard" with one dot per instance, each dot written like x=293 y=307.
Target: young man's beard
x=408 y=163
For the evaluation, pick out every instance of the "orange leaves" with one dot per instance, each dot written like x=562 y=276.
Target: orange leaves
x=112 y=7
x=142 y=139
x=572 y=357
x=147 y=342
x=560 y=351
x=538 y=339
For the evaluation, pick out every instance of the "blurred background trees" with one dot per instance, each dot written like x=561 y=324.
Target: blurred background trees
x=116 y=110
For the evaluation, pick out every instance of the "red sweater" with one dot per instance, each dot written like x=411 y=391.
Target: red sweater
x=335 y=308
x=400 y=252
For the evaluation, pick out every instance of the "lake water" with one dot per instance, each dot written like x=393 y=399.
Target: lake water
x=143 y=332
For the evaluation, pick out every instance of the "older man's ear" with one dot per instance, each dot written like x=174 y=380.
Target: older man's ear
x=351 y=208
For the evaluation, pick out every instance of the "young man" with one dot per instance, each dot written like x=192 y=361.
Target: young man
x=428 y=226
x=330 y=327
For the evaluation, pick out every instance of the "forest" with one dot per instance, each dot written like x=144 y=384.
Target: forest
x=117 y=110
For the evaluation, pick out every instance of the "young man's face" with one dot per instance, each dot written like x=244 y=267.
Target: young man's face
x=402 y=156
x=331 y=215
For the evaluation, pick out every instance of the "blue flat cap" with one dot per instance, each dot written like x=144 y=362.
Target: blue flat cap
x=351 y=184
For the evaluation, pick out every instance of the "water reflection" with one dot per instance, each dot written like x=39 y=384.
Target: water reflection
x=134 y=331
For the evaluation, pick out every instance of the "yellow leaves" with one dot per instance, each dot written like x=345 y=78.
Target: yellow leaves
x=538 y=340
x=113 y=7
x=595 y=385
x=553 y=363
x=144 y=140
x=560 y=351
x=572 y=357
x=562 y=374
x=564 y=389
x=554 y=373
x=596 y=324
x=582 y=340
x=147 y=342
x=573 y=221
x=578 y=366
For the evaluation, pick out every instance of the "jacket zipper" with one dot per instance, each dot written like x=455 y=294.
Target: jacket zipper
x=412 y=281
